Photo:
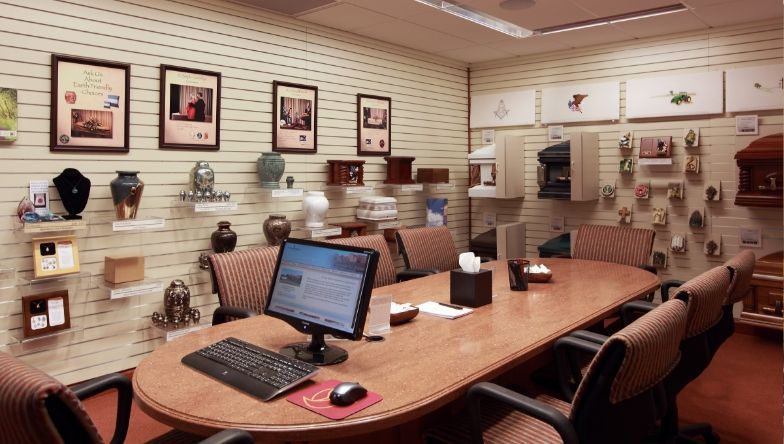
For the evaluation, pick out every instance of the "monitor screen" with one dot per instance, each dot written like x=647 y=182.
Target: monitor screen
x=321 y=288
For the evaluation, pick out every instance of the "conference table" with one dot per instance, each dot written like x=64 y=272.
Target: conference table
x=422 y=365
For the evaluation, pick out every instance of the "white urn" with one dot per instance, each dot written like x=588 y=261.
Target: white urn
x=315 y=206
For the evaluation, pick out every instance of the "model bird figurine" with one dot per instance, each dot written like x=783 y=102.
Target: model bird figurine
x=574 y=104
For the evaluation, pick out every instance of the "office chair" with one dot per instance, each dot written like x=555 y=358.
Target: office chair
x=618 y=401
x=620 y=245
x=427 y=250
x=38 y=409
x=242 y=280
x=385 y=273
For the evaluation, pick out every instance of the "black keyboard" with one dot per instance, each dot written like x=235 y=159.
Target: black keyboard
x=252 y=369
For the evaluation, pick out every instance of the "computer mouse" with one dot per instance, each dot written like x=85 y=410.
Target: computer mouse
x=346 y=393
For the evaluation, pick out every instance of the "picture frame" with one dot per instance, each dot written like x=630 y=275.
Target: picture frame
x=45 y=313
x=750 y=237
x=9 y=114
x=90 y=105
x=659 y=216
x=656 y=147
x=712 y=246
x=625 y=140
x=659 y=258
x=746 y=125
x=555 y=133
x=189 y=116
x=557 y=224
x=691 y=137
x=295 y=114
x=374 y=125
x=55 y=256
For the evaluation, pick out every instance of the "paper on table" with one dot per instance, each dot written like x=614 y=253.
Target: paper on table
x=436 y=309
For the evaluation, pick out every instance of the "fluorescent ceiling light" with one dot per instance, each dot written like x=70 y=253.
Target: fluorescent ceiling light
x=678 y=7
x=479 y=18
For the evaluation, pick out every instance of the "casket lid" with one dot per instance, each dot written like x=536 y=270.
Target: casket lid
x=486 y=152
x=768 y=147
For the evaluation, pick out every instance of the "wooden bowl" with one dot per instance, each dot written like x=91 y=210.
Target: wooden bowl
x=539 y=278
x=403 y=316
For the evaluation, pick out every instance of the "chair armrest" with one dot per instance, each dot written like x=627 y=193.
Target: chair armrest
x=407 y=275
x=569 y=368
x=522 y=403
x=649 y=268
x=630 y=309
x=585 y=335
x=666 y=286
x=230 y=436
x=222 y=314
x=124 y=399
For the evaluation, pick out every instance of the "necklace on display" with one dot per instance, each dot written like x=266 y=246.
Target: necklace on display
x=74 y=186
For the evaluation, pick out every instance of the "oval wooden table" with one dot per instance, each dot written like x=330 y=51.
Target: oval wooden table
x=421 y=366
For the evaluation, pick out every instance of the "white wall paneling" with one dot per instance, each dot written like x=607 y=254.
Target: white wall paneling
x=586 y=102
x=685 y=94
x=250 y=48
x=755 y=88
x=511 y=108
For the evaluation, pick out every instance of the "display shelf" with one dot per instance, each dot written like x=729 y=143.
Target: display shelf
x=404 y=188
x=654 y=161
x=66 y=280
x=170 y=333
x=312 y=233
x=268 y=194
x=53 y=339
x=128 y=289
x=145 y=223
x=207 y=207
x=349 y=190
x=51 y=226
x=439 y=187
x=8 y=278
x=383 y=225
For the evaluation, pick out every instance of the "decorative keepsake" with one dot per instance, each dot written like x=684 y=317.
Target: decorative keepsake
x=289 y=181
x=270 y=169
x=276 y=228
x=377 y=208
x=223 y=239
x=345 y=172
x=202 y=177
x=177 y=306
x=126 y=191
x=315 y=206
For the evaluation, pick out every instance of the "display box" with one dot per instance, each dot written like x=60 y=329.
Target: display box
x=432 y=175
x=471 y=289
x=54 y=256
x=121 y=269
x=45 y=313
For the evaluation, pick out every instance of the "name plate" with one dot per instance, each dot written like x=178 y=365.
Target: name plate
x=287 y=192
x=202 y=207
x=179 y=332
x=135 y=290
x=138 y=224
x=388 y=224
x=358 y=190
x=326 y=232
x=445 y=186
x=412 y=187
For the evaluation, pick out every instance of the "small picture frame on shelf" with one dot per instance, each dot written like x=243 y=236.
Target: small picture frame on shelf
x=659 y=258
x=656 y=147
x=691 y=137
x=675 y=190
x=55 y=256
x=374 y=126
x=45 y=313
x=642 y=190
x=294 y=118
x=746 y=125
x=607 y=189
x=625 y=214
x=712 y=246
x=750 y=237
x=555 y=133
x=39 y=196
x=625 y=140
x=696 y=218
x=626 y=165
x=691 y=164
x=712 y=191
x=659 y=216
x=189 y=116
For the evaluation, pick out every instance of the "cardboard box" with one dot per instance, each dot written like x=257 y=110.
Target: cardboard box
x=120 y=269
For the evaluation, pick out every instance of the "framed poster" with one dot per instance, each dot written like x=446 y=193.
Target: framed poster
x=510 y=108
x=190 y=109
x=45 y=313
x=555 y=133
x=90 y=104
x=685 y=94
x=581 y=103
x=294 y=111
x=755 y=88
x=746 y=125
x=374 y=125
x=8 y=114
x=53 y=256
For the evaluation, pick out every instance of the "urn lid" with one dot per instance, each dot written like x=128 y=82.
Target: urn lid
x=177 y=283
x=202 y=164
x=224 y=223
x=126 y=172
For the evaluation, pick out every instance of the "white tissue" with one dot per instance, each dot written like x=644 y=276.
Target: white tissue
x=539 y=269
x=468 y=262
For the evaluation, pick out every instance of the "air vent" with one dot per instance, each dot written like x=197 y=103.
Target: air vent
x=289 y=7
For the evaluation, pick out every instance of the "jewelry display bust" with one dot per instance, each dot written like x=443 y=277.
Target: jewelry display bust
x=74 y=189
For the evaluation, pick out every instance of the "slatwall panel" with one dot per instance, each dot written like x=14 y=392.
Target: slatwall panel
x=717 y=49
x=251 y=48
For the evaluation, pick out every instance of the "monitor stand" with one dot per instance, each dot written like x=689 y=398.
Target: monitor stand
x=315 y=352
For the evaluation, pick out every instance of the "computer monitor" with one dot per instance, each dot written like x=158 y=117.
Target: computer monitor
x=319 y=289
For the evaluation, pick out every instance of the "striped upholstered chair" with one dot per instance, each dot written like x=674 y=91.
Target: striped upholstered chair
x=428 y=250
x=619 y=400
x=385 y=273
x=242 y=280
x=741 y=267
x=620 y=245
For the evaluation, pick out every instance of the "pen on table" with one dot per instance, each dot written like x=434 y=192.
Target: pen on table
x=456 y=307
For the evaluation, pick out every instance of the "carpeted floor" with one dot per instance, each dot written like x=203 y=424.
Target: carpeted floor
x=740 y=394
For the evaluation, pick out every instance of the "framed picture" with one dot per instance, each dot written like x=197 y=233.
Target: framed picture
x=9 y=110
x=53 y=256
x=90 y=104
x=746 y=125
x=557 y=224
x=655 y=147
x=189 y=109
x=294 y=110
x=555 y=133
x=750 y=237
x=45 y=313
x=374 y=126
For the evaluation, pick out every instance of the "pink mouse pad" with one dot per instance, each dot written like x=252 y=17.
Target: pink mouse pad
x=316 y=398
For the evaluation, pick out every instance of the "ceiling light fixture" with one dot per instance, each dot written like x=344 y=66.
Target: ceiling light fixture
x=613 y=19
x=480 y=18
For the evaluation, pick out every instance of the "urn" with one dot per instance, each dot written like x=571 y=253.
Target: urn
x=315 y=206
x=126 y=191
x=177 y=302
x=276 y=228
x=270 y=168
x=202 y=177
x=223 y=239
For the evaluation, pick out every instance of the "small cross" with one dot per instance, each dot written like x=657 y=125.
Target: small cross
x=624 y=213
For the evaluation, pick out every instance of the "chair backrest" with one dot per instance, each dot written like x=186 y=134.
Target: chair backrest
x=385 y=273
x=706 y=294
x=428 y=248
x=243 y=278
x=620 y=245
x=619 y=400
x=742 y=265
x=37 y=408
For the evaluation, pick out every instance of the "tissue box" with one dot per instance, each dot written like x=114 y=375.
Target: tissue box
x=471 y=289
x=120 y=269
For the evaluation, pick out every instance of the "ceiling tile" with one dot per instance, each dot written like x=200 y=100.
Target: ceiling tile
x=413 y=36
x=531 y=45
x=395 y=8
x=475 y=54
x=661 y=25
x=345 y=17
x=735 y=12
x=597 y=35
